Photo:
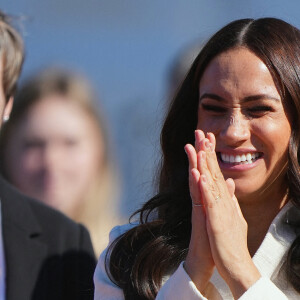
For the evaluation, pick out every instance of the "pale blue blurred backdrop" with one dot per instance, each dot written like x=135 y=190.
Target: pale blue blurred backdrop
x=126 y=48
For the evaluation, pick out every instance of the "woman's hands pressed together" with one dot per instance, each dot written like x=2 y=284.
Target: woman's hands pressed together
x=219 y=230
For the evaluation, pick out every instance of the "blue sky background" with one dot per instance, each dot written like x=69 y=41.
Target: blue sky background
x=126 y=48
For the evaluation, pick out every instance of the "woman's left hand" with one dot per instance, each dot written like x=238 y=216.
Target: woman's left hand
x=226 y=226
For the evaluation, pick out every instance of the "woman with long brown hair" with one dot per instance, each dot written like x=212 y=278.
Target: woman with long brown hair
x=225 y=222
x=56 y=148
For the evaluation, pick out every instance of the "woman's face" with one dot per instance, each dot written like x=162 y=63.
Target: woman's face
x=239 y=103
x=55 y=153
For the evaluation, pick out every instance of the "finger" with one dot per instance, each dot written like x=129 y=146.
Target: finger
x=212 y=160
x=208 y=196
x=213 y=165
x=210 y=146
x=199 y=136
x=231 y=186
x=192 y=156
x=212 y=139
x=194 y=188
x=194 y=175
x=203 y=169
x=202 y=164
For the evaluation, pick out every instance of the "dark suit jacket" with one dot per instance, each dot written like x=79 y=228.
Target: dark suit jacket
x=47 y=255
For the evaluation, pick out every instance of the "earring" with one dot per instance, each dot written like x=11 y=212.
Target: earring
x=5 y=118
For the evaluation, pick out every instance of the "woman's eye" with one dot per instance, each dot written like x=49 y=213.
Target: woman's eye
x=213 y=108
x=259 y=109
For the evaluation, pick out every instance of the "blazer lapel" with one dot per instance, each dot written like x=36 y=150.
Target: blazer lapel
x=23 y=248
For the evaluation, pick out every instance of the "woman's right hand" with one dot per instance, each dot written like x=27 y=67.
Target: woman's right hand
x=199 y=263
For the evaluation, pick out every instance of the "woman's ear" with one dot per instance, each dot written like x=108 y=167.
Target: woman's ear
x=7 y=109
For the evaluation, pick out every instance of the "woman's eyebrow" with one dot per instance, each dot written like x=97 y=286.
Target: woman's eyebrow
x=211 y=96
x=246 y=99
x=260 y=97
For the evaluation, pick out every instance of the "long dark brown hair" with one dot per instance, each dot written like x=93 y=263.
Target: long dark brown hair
x=138 y=260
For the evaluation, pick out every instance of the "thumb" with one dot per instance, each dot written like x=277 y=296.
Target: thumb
x=231 y=186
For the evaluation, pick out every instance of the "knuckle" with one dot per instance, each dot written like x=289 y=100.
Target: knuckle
x=217 y=176
x=213 y=188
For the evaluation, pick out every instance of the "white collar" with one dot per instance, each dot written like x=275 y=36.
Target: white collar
x=271 y=254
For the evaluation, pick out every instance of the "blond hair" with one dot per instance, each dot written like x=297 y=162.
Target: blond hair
x=12 y=54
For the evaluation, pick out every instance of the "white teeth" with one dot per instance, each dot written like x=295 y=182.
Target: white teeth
x=224 y=157
x=237 y=159
x=248 y=156
x=244 y=158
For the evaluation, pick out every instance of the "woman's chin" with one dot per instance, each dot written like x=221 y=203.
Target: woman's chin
x=243 y=193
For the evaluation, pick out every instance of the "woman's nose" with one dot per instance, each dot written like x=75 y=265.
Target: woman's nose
x=235 y=130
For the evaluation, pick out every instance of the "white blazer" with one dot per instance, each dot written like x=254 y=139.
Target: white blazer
x=269 y=260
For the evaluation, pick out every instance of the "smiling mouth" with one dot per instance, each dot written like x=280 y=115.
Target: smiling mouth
x=245 y=158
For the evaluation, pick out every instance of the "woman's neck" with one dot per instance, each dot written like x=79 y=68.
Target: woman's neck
x=260 y=213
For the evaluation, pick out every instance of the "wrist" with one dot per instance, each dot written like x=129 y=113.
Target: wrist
x=200 y=273
x=240 y=279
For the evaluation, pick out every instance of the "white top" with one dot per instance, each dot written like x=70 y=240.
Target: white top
x=269 y=260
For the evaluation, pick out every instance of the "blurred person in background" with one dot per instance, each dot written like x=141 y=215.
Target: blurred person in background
x=43 y=254
x=55 y=148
